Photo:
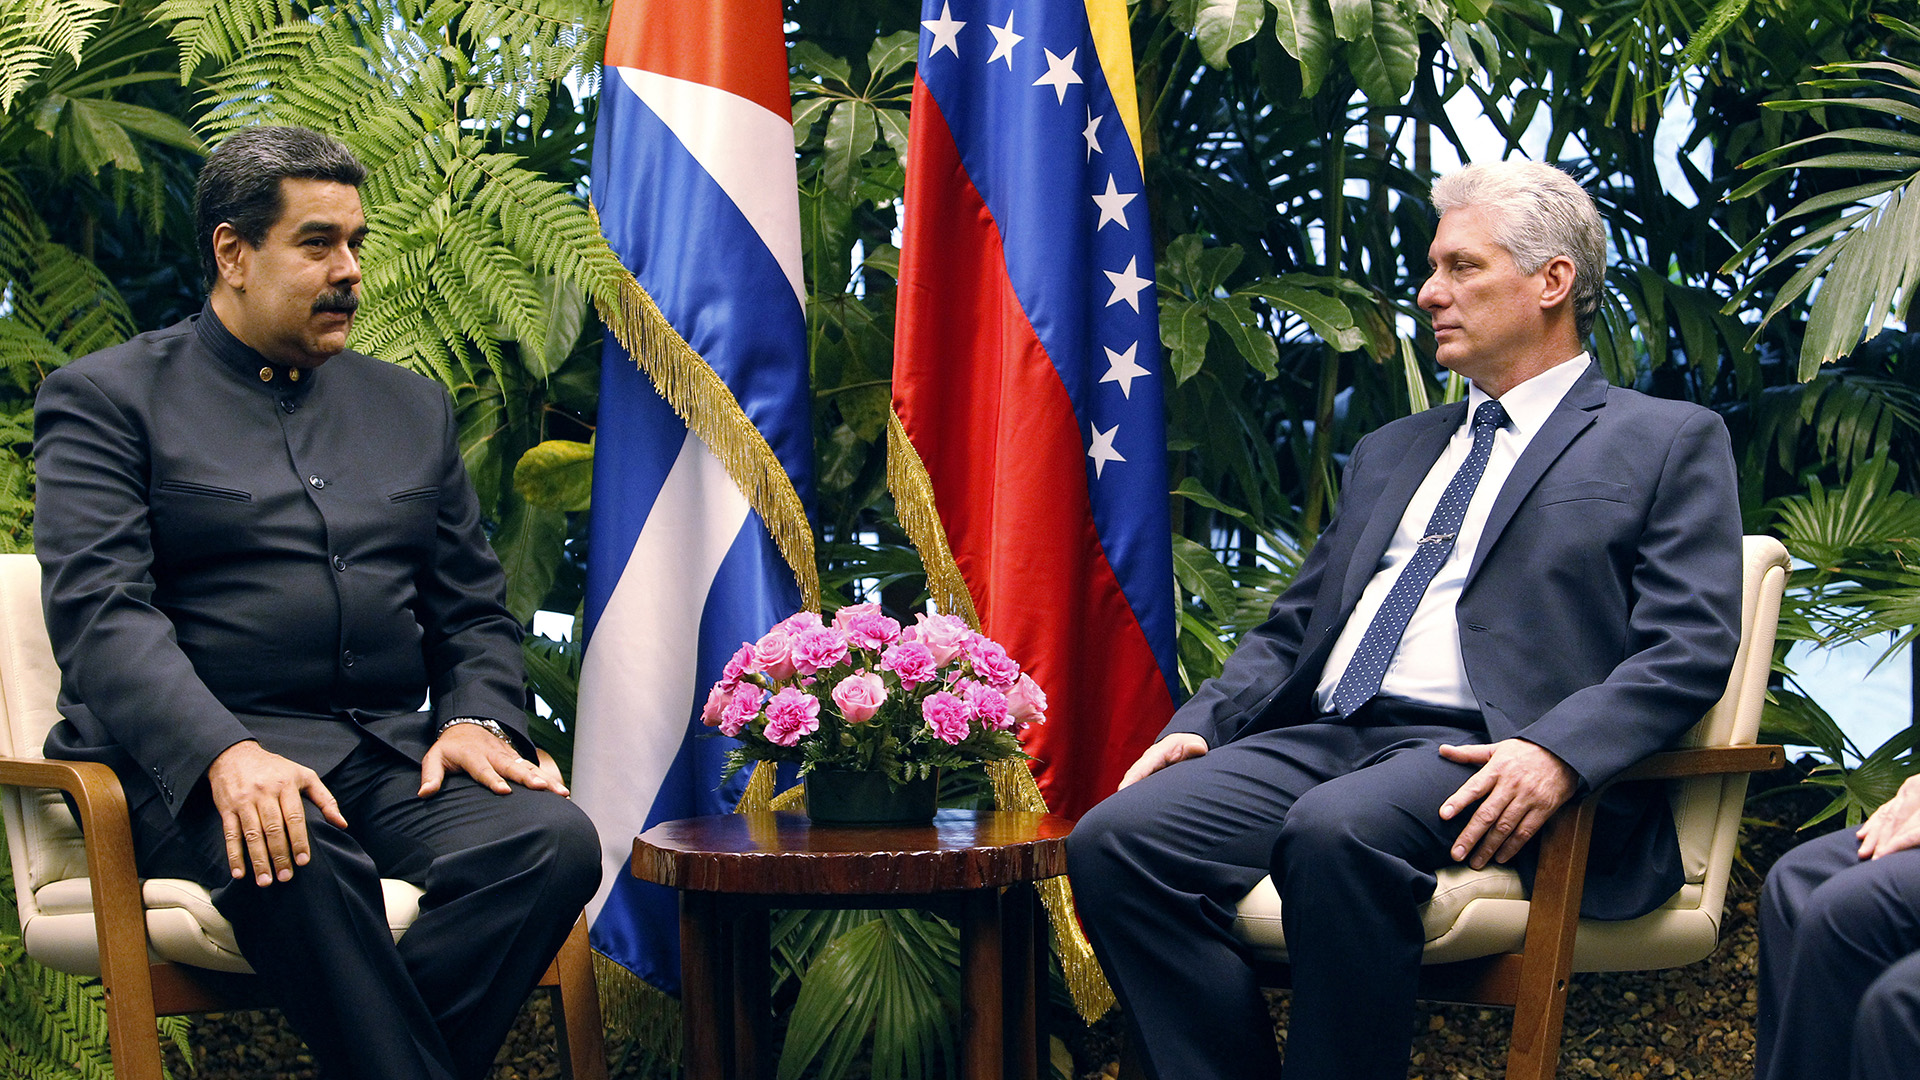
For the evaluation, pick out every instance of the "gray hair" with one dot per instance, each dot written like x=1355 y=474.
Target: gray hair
x=1537 y=213
x=240 y=183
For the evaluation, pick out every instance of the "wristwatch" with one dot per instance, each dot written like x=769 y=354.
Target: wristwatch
x=490 y=726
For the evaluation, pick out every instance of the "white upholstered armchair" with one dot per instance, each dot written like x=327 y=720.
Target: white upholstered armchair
x=84 y=910
x=1488 y=942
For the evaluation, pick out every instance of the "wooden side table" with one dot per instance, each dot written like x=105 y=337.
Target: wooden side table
x=977 y=866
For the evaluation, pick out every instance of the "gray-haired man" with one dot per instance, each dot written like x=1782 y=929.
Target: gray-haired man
x=1519 y=596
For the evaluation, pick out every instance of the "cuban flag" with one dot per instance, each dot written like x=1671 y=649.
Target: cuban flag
x=693 y=178
x=1027 y=366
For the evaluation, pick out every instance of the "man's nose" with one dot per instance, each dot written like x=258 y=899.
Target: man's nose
x=1429 y=297
x=346 y=267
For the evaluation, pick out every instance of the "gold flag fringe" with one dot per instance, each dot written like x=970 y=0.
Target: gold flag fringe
x=634 y=1010
x=1014 y=789
x=759 y=793
x=702 y=400
x=913 y=503
x=1013 y=784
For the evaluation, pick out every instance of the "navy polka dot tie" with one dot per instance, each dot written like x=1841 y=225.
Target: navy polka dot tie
x=1361 y=680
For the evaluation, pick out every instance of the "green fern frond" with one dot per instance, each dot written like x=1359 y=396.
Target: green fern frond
x=73 y=1021
x=33 y=33
x=218 y=31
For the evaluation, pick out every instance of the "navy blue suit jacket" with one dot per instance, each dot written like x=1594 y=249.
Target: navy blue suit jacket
x=1599 y=618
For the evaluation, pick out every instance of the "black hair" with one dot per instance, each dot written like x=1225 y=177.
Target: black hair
x=240 y=183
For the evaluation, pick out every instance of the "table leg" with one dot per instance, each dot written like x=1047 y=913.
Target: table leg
x=1022 y=991
x=752 y=1007
x=982 y=1016
x=704 y=976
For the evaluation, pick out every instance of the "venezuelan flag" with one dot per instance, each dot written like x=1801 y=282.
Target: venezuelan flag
x=1027 y=368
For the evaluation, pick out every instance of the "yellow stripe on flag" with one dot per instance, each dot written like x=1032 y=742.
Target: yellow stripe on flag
x=1114 y=42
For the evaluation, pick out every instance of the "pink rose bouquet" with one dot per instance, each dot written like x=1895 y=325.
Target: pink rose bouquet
x=864 y=693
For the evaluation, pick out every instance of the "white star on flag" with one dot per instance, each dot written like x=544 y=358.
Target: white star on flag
x=1004 y=39
x=1102 y=450
x=1127 y=284
x=1092 y=134
x=946 y=32
x=1113 y=205
x=1122 y=369
x=1060 y=73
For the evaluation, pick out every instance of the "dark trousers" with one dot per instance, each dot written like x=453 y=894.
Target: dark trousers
x=1345 y=817
x=1839 y=964
x=505 y=878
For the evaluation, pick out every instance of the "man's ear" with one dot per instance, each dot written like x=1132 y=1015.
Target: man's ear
x=1556 y=281
x=232 y=255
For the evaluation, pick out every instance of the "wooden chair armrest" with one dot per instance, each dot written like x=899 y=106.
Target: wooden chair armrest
x=1554 y=912
x=1707 y=761
x=119 y=913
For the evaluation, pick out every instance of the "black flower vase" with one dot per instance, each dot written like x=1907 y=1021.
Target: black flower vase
x=849 y=797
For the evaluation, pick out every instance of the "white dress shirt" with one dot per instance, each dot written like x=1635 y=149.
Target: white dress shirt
x=1427 y=667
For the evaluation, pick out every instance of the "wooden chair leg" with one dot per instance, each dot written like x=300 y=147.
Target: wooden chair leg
x=120 y=923
x=576 y=1014
x=1546 y=964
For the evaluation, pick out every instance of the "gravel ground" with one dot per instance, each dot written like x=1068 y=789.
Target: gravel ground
x=1692 y=1023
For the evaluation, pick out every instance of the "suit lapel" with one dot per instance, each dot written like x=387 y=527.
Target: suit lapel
x=1577 y=410
x=1403 y=479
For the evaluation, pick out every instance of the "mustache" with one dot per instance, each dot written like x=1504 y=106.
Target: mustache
x=342 y=301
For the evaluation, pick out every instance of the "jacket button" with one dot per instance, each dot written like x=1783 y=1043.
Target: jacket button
x=266 y=374
x=346 y=658
x=287 y=406
x=339 y=563
x=318 y=482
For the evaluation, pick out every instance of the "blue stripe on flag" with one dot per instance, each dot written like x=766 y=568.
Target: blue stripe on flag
x=708 y=271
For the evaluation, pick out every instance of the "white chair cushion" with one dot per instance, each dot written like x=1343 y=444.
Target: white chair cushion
x=1477 y=913
x=183 y=926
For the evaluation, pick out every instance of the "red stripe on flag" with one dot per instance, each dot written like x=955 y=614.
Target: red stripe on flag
x=989 y=416
x=733 y=45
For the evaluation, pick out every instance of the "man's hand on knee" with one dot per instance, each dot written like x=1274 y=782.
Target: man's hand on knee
x=1895 y=826
x=1176 y=747
x=258 y=794
x=471 y=749
x=1519 y=786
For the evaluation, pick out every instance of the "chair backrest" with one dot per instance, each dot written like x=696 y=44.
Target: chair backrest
x=1707 y=810
x=42 y=837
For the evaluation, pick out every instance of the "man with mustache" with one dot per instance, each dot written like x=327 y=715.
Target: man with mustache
x=261 y=556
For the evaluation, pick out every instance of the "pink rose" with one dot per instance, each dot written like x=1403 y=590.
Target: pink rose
x=989 y=706
x=843 y=618
x=791 y=714
x=943 y=635
x=947 y=715
x=717 y=699
x=872 y=631
x=740 y=710
x=991 y=662
x=821 y=647
x=798 y=622
x=859 y=696
x=1027 y=702
x=773 y=656
x=910 y=660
